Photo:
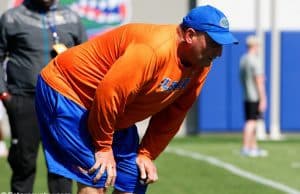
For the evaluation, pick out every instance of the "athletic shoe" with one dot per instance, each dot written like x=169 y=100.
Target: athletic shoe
x=254 y=152
x=259 y=152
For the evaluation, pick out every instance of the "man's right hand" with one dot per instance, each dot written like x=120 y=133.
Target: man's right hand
x=105 y=161
x=5 y=96
x=148 y=172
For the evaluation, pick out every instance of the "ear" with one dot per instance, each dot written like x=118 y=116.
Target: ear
x=189 y=34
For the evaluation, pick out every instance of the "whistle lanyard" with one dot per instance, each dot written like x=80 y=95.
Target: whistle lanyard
x=53 y=29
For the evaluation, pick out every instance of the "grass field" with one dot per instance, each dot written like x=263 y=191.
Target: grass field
x=211 y=164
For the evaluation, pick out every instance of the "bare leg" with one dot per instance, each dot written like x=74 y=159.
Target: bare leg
x=84 y=189
x=119 y=192
x=249 y=137
x=253 y=141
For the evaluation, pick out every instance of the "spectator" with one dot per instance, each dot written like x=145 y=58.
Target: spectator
x=255 y=102
x=31 y=34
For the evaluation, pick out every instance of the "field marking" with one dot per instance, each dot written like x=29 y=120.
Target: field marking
x=295 y=164
x=233 y=169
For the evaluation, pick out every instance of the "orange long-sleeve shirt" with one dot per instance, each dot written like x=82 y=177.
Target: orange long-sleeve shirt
x=125 y=76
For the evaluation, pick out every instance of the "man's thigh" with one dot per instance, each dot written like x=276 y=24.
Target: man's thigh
x=125 y=146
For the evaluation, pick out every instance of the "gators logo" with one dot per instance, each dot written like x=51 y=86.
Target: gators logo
x=97 y=15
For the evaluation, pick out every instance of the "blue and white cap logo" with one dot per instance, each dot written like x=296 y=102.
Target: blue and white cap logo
x=224 y=22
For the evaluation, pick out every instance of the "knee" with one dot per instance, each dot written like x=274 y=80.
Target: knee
x=20 y=162
x=84 y=189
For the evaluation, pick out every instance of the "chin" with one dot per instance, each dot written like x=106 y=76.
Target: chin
x=203 y=63
x=208 y=65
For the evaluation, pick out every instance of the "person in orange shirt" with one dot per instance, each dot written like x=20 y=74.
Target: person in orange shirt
x=89 y=98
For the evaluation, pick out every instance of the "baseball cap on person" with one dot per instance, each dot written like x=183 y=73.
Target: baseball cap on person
x=212 y=21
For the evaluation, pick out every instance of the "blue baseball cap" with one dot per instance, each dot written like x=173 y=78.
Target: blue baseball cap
x=212 y=21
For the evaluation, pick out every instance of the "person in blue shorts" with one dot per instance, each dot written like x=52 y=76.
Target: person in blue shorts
x=89 y=98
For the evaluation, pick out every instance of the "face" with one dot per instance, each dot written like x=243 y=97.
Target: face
x=201 y=49
x=254 y=48
x=44 y=4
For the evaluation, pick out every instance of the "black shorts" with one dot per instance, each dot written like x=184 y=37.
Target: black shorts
x=251 y=110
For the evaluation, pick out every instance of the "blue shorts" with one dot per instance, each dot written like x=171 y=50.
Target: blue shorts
x=67 y=143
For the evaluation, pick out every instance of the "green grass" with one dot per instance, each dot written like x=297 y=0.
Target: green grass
x=181 y=175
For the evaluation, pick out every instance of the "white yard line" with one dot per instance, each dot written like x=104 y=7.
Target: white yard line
x=295 y=165
x=233 y=169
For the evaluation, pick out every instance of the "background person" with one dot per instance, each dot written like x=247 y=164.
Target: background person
x=30 y=35
x=255 y=101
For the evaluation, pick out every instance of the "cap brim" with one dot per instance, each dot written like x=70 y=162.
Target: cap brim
x=223 y=38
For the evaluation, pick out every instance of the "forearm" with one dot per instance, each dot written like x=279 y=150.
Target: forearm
x=153 y=145
x=107 y=105
x=160 y=132
x=260 y=82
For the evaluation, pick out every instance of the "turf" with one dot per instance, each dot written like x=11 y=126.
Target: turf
x=181 y=175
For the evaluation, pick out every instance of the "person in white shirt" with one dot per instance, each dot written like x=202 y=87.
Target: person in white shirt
x=255 y=102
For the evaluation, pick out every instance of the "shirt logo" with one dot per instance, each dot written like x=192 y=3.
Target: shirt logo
x=168 y=85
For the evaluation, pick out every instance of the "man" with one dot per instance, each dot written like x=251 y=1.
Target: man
x=255 y=103
x=90 y=97
x=30 y=36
